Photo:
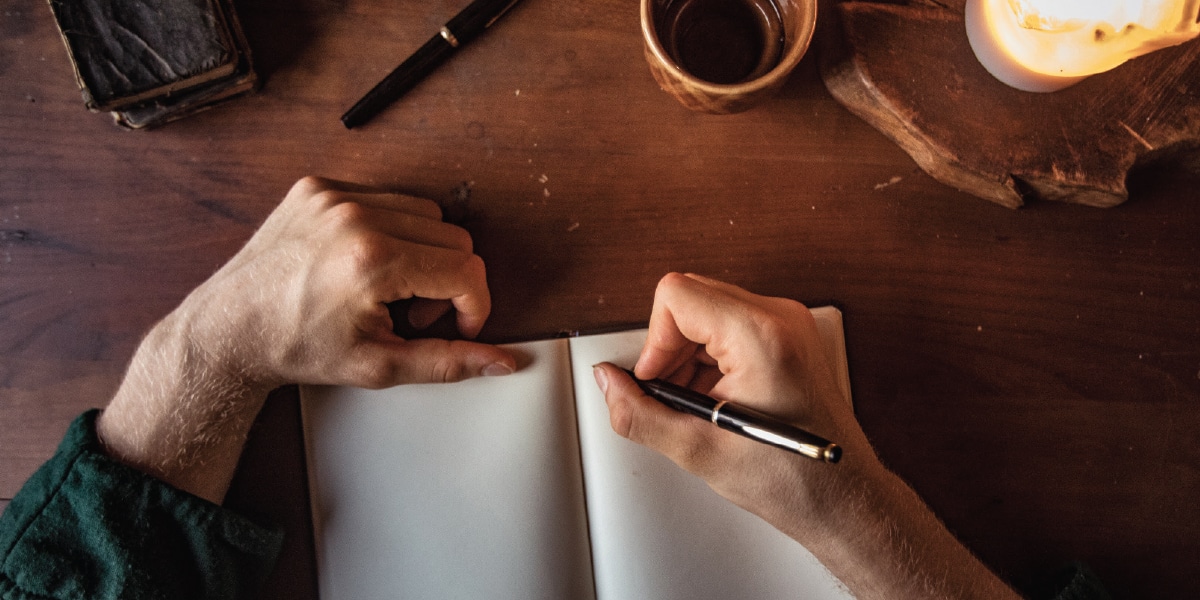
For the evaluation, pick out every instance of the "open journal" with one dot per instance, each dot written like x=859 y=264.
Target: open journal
x=517 y=488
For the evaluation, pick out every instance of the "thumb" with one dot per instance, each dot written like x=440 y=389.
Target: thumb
x=386 y=364
x=684 y=439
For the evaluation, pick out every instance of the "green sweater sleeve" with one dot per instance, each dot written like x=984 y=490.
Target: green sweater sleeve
x=86 y=526
x=1073 y=582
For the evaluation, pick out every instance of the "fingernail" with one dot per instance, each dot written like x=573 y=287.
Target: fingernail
x=601 y=378
x=497 y=369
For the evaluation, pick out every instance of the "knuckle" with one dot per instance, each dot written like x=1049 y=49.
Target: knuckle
x=448 y=370
x=367 y=253
x=341 y=214
x=309 y=185
x=773 y=331
x=375 y=375
x=424 y=204
x=671 y=281
x=364 y=258
x=329 y=204
x=620 y=416
x=473 y=266
x=476 y=264
x=461 y=239
x=770 y=326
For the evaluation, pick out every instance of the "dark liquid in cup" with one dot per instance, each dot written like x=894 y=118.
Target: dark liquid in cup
x=722 y=41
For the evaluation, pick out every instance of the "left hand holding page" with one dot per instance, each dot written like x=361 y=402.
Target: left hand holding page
x=313 y=281
x=302 y=302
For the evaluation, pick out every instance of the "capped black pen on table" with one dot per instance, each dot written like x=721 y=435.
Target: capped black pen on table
x=740 y=420
x=464 y=27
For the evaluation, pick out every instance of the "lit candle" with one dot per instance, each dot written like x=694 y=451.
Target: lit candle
x=1046 y=45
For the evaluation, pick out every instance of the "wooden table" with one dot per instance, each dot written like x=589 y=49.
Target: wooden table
x=1035 y=374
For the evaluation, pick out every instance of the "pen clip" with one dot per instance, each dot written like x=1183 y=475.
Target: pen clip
x=501 y=13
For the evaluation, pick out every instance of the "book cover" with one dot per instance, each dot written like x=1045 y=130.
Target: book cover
x=161 y=110
x=127 y=51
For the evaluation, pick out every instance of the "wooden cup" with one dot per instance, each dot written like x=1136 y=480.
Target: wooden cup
x=796 y=17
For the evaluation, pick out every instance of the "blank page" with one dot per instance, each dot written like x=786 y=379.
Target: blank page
x=468 y=490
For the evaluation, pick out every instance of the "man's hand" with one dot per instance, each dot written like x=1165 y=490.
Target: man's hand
x=762 y=353
x=302 y=302
x=865 y=524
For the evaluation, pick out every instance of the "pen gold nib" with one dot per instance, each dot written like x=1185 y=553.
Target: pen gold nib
x=831 y=453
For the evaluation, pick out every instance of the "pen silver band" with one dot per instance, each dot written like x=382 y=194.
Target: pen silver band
x=717 y=410
x=449 y=37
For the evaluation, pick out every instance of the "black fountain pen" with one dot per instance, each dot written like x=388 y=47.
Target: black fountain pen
x=464 y=27
x=740 y=420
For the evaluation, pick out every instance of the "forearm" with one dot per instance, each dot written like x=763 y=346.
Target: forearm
x=183 y=411
x=883 y=542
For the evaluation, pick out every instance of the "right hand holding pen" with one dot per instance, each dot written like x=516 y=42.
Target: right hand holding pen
x=859 y=519
x=759 y=352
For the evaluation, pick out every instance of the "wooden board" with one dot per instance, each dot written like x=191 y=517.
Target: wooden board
x=909 y=71
x=1032 y=374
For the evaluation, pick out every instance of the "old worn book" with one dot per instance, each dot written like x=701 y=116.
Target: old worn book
x=517 y=488
x=172 y=106
x=126 y=52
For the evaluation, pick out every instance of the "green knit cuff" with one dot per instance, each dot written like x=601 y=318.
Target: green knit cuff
x=86 y=526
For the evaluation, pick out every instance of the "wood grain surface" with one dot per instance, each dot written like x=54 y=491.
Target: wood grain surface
x=972 y=132
x=1035 y=374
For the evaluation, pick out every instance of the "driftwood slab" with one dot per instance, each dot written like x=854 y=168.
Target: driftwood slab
x=909 y=71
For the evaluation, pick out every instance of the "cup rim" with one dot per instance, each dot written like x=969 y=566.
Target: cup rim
x=776 y=74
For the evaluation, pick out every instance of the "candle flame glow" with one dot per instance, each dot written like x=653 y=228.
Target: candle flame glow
x=1072 y=39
